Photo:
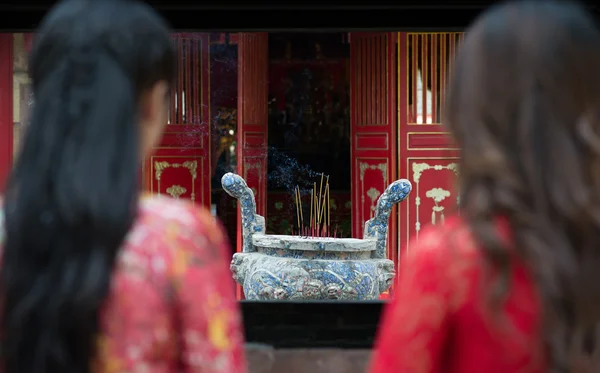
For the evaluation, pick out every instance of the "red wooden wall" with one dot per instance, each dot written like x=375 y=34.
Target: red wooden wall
x=373 y=126
x=180 y=166
x=427 y=156
x=6 y=106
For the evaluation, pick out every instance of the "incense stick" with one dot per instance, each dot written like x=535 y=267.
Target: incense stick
x=312 y=201
x=323 y=204
x=315 y=211
x=319 y=224
x=328 y=206
x=300 y=203
x=297 y=207
x=320 y=191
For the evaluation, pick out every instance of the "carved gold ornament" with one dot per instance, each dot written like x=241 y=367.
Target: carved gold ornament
x=192 y=166
x=176 y=190
x=437 y=194
x=373 y=193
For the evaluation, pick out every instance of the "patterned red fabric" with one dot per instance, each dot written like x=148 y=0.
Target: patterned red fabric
x=172 y=306
x=440 y=321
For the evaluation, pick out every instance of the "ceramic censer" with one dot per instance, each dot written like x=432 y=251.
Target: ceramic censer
x=274 y=267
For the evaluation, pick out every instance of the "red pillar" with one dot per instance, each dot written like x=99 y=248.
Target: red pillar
x=6 y=106
x=253 y=78
x=253 y=71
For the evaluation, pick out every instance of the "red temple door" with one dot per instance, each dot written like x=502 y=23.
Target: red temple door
x=373 y=126
x=180 y=166
x=427 y=156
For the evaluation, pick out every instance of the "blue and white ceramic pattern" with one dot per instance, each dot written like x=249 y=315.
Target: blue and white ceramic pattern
x=305 y=268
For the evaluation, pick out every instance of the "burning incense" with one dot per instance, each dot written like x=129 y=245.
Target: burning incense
x=299 y=199
x=328 y=205
x=322 y=208
x=314 y=218
x=323 y=217
x=297 y=206
x=319 y=224
x=319 y=208
x=312 y=201
x=300 y=206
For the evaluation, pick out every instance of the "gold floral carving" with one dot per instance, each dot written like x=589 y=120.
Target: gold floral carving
x=192 y=166
x=373 y=193
x=437 y=194
x=176 y=190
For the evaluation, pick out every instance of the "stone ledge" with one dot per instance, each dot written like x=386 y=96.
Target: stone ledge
x=266 y=359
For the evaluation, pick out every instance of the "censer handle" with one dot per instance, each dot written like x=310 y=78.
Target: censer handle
x=252 y=223
x=377 y=227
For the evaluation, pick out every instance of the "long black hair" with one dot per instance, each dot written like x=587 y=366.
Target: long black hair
x=72 y=196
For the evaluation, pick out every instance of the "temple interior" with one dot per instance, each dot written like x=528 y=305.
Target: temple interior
x=308 y=124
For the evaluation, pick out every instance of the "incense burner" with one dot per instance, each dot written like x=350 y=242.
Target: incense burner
x=274 y=267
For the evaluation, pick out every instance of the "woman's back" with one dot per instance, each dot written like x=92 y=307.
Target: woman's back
x=438 y=321
x=171 y=305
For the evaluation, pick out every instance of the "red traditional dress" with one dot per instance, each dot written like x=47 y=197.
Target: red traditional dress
x=172 y=306
x=439 y=320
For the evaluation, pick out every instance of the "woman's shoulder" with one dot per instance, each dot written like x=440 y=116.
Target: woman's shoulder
x=450 y=251
x=181 y=212
x=438 y=247
x=169 y=224
x=454 y=238
x=177 y=215
x=444 y=259
x=453 y=232
x=169 y=235
x=157 y=211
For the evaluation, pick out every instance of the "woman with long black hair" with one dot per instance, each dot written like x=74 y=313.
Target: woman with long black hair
x=95 y=278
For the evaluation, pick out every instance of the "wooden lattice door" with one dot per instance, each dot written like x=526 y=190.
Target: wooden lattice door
x=180 y=165
x=427 y=156
x=373 y=126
